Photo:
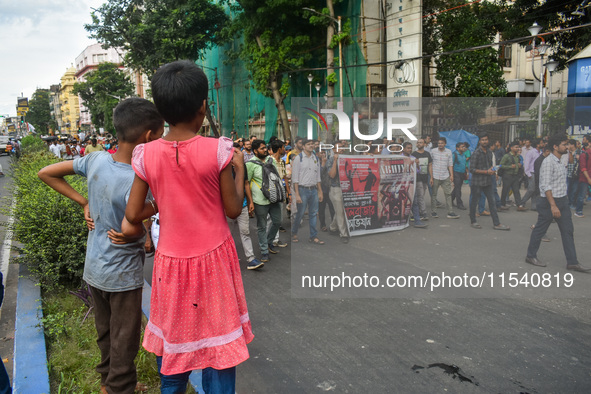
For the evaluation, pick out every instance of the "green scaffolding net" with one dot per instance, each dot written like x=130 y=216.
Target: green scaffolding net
x=240 y=108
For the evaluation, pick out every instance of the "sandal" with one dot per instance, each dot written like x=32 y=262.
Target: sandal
x=316 y=241
x=295 y=239
x=324 y=229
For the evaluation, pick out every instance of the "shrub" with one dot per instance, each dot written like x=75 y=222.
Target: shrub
x=31 y=144
x=50 y=226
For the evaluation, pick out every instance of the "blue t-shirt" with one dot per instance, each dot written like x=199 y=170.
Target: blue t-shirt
x=109 y=267
x=459 y=161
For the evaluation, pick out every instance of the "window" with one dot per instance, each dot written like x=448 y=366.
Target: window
x=505 y=55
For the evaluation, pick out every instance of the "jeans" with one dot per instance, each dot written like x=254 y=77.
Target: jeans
x=309 y=200
x=243 y=226
x=214 y=381
x=488 y=192
x=456 y=194
x=421 y=188
x=565 y=225
x=573 y=188
x=511 y=182
x=118 y=320
x=582 y=189
x=531 y=192
x=261 y=212
x=446 y=186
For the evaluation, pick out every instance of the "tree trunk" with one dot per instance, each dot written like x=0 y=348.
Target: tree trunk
x=330 y=51
x=278 y=97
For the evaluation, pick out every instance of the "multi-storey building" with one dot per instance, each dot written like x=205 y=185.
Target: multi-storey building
x=55 y=107
x=69 y=102
x=89 y=60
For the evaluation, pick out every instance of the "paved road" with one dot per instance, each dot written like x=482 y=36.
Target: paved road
x=514 y=340
x=10 y=276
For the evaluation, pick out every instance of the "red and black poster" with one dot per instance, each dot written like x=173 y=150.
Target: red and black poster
x=377 y=192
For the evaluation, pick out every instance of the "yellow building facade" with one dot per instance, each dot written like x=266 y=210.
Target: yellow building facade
x=70 y=107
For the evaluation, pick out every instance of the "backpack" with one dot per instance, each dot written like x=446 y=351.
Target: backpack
x=272 y=186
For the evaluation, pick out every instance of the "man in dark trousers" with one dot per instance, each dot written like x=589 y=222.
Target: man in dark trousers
x=553 y=205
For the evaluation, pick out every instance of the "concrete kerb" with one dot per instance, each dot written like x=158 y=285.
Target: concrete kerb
x=30 y=357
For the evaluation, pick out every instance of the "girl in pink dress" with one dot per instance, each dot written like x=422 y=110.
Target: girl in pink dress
x=198 y=314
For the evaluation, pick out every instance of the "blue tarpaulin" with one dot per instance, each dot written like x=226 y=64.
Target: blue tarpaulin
x=453 y=137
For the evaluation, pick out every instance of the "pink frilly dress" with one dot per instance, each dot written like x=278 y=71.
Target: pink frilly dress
x=198 y=313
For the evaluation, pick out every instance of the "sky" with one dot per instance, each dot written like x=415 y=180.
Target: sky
x=39 y=41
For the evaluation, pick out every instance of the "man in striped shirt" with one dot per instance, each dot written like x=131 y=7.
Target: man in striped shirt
x=553 y=205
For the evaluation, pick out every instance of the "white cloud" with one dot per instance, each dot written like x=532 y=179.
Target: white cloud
x=39 y=40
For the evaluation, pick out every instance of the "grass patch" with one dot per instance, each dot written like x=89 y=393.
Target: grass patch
x=72 y=350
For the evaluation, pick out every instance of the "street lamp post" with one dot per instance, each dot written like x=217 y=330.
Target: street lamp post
x=310 y=78
x=550 y=66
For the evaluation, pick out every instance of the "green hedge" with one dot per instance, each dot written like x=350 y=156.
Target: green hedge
x=50 y=226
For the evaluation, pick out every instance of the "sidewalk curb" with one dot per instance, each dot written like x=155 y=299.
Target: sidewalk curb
x=30 y=357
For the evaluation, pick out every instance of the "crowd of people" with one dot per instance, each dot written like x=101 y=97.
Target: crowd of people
x=79 y=145
x=190 y=186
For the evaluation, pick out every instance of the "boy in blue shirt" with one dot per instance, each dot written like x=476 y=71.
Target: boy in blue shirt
x=114 y=265
x=460 y=174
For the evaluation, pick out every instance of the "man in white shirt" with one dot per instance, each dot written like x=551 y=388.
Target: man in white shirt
x=442 y=175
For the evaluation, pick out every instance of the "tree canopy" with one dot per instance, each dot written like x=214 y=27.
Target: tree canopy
x=278 y=38
x=154 y=32
x=98 y=92
x=39 y=113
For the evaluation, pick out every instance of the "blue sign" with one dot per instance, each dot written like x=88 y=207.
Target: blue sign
x=579 y=77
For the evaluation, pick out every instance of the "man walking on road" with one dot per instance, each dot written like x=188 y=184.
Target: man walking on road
x=481 y=168
x=553 y=205
x=442 y=175
x=584 y=175
x=528 y=167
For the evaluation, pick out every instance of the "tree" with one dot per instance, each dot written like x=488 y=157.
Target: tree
x=471 y=73
x=552 y=15
x=155 y=32
x=39 y=114
x=97 y=91
x=277 y=39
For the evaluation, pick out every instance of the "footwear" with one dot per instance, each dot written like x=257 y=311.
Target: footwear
x=434 y=215
x=534 y=261
x=461 y=207
x=578 y=268
x=294 y=239
x=265 y=258
x=545 y=239
x=476 y=225
x=281 y=229
x=255 y=264
x=503 y=208
x=272 y=249
x=420 y=225
x=345 y=240
x=280 y=244
x=412 y=219
x=334 y=233
x=324 y=229
x=424 y=218
x=438 y=205
x=316 y=241
x=579 y=214
x=521 y=208
x=485 y=213
x=502 y=227
x=453 y=215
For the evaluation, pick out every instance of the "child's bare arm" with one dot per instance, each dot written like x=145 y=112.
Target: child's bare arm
x=53 y=175
x=232 y=188
x=138 y=209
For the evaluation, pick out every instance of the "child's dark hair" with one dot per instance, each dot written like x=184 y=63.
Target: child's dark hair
x=179 y=89
x=134 y=116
